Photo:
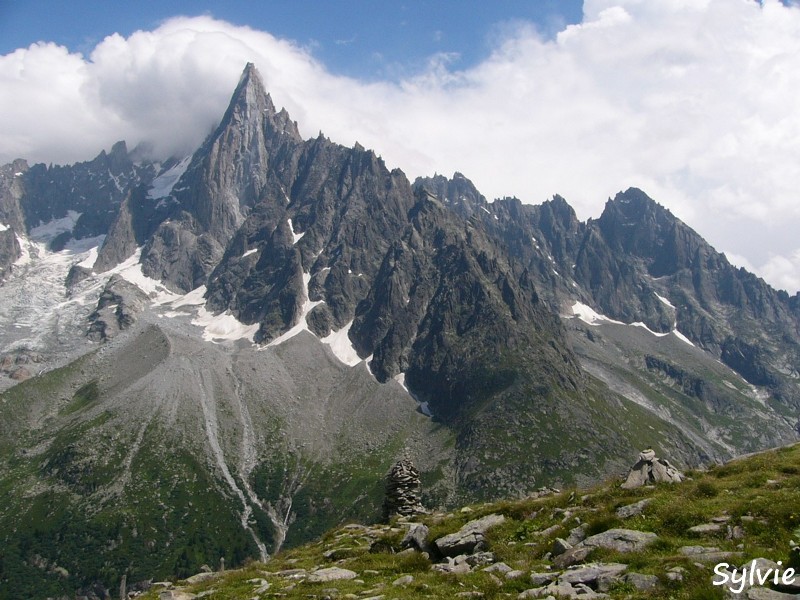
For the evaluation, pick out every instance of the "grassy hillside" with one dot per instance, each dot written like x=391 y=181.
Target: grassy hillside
x=755 y=501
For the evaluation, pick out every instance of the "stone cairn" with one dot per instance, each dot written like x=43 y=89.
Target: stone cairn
x=649 y=470
x=402 y=490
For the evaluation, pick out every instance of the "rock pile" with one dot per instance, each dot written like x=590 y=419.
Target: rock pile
x=402 y=490
x=649 y=469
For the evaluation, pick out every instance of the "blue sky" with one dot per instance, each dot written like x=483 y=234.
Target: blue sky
x=693 y=101
x=366 y=39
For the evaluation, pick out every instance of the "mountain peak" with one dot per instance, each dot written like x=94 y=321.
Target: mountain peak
x=252 y=104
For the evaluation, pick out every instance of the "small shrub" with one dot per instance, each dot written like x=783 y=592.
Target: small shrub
x=705 y=489
x=601 y=524
x=662 y=545
x=622 y=587
x=525 y=530
x=413 y=562
x=678 y=519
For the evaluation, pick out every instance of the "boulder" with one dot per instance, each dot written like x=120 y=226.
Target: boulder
x=642 y=582
x=404 y=580
x=540 y=579
x=577 y=535
x=480 y=559
x=621 y=540
x=563 y=590
x=416 y=537
x=500 y=567
x=560 y=546
x=705 y=529
x=573 y=556
x=465 y=540
x=201 y=577
x=451 y=567
x=633 y=510
x=331 y=574
x=591 y=574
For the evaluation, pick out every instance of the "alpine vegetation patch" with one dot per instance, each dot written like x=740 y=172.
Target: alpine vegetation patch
x=755 y=573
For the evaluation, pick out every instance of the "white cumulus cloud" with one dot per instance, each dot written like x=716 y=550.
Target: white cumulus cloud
x=694 y=101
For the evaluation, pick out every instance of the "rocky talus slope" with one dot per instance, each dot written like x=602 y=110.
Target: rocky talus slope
x=661 y=541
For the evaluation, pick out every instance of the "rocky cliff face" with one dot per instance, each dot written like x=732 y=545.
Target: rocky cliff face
x=92 y=191
x=12 y=219
x=229 y=175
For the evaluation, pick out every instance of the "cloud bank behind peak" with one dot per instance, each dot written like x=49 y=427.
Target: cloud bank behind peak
x=694 y=101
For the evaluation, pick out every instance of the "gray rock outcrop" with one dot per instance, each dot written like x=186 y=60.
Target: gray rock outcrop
x=621 y=540
x=467 y=539
x=331 y=574
x=117 y=308
x=633 y=510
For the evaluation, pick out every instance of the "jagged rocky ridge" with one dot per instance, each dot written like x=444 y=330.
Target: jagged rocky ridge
x=469 y=304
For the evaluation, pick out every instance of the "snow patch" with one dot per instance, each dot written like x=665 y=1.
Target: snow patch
x=285 y=195
x=307 y=307
x=295 y=236
x=3 y=227
x=249 y=252
x=223 y=326
x=401 y=379
x=131 y=271
x=486 y=210
x=341 y=346
x=682 y=337
x=46 y=232
x=216 y=328
x=25 y=251
x=642 y=325
x=163 y=184
x=84 y=244
x=665 y=301
x=424 y=407
x=194 y=298
x=589 y=316
x=88 y=262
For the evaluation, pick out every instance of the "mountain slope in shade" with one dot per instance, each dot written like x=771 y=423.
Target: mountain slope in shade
x=274 y=321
